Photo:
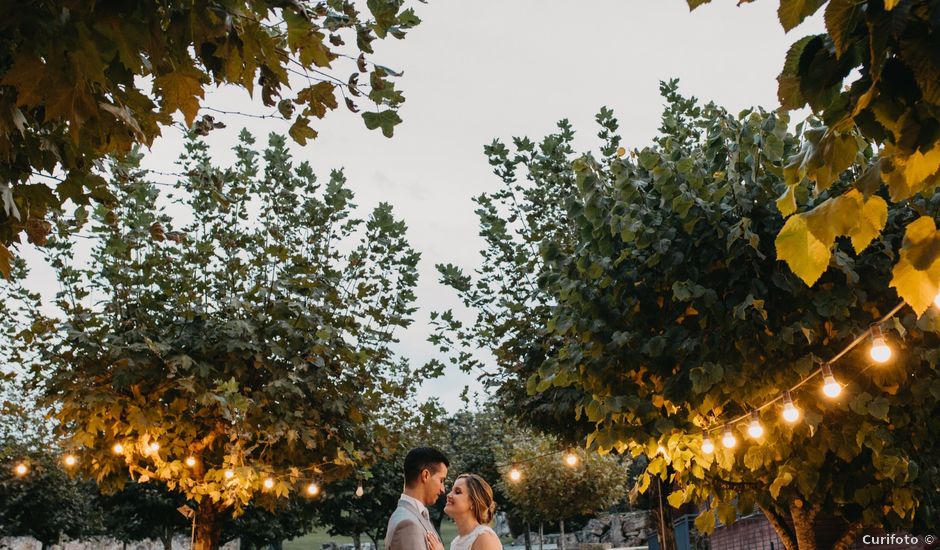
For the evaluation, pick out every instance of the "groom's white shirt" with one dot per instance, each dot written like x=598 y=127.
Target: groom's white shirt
x=422 y=509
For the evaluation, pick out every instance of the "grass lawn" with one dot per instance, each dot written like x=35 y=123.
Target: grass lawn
x=314 y=539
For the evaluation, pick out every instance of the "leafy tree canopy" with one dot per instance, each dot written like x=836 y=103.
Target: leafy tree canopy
x=874 y=73
x=81 y=80
x=255 y=338
x=670 y=315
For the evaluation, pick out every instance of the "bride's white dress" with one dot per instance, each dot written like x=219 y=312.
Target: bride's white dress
x=466 y=541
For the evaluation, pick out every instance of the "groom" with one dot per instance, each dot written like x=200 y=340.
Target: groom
x=425 y=472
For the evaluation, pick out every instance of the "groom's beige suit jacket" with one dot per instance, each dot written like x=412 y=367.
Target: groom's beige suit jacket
x=406 y=528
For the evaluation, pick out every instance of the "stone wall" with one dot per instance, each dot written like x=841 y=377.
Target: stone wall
x=29 y=543
x=610 y=530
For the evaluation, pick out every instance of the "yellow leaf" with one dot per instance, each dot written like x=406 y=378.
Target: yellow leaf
x=786 y=204
x=916 y=276
x=910 y=174
x=807 y=256
x=180 y=90
x=143 y=479
x=643 y=484
x=889 y=4
x=705 y=522
x=26 y=76
x=874 y=215
x=676 y=499
x=5 y=261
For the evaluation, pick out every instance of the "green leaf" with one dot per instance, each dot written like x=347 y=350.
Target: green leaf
x=387 y=120
x=840 y=20
x=783 y=479
x=792 y=12
x=788 y=83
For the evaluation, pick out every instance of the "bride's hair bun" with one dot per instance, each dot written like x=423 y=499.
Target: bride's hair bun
x=481 y=495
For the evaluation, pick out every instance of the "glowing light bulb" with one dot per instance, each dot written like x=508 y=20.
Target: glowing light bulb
x=831 y=388
x=118 y=449
x=70 y=460
x=790 y=413
x=360 y=491
x=729 y=441
x=707 y=446
x=191 y=461
x=936 y=300
x=154 y=447
x=268 y=483
x=21 y=469
x=515 y=474
x=571 y=459
x=313 y=489
x=880 y=351
x=229 y=474
x=755 y=429
x=661 y=450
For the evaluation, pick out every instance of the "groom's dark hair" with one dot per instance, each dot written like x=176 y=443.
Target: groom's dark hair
x=420 y=459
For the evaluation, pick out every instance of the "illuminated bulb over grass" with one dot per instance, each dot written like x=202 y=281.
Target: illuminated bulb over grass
x=790 y=413
x=707 y=446
x=729 y=441
x=268 y=483
x=754 y=429
x=191 y=461
x=313 y=489
x=70 y=460
x=20 y=470
x=515 y=474
x=831 y=388
x=571 y=459
x=154 y=447
x=118 y=449
x=880 y=351
x=360 y=491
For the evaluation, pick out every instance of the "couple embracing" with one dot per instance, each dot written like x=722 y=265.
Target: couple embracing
x=469 y=503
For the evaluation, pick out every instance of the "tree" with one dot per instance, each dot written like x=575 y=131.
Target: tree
x=886 y=50
x=670 y=315
x=240 y=357
x=79 y=81
x=551 y=490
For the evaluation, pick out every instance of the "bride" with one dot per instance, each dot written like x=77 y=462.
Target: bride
x=470 y=504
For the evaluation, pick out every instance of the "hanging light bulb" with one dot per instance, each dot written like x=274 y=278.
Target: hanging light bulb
x=515 y=474
x=69 y=460
x=571 y=459
x=831 y=388
x=360 y=491
x=191 y=461
x=229 y=474
x=707 y=446
x=880 y=351
x=729 y=441
x=790 y=413
x=268 y=483
x=313 y=489
x=20 y=470
x=936 y=300
x=118 y=449
x=154 y=447
x=755 y=429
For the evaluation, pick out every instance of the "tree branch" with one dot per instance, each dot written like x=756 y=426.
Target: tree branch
x=849 y=536
x=779 y=523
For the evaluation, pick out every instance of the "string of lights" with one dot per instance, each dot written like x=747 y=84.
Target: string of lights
x=880 y=352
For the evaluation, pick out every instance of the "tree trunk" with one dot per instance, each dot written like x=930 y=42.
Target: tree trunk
x=561 y=527
x=167 y=538
x=208 y=526
x=357 y=544
x=779 y=523
x=528 y=537
x=848 y=537
x=541 y=534
x=804 y=525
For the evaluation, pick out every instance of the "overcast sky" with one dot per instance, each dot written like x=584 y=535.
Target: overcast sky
x=482 y=69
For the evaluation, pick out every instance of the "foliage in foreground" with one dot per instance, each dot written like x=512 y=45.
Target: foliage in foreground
x=669 y=314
